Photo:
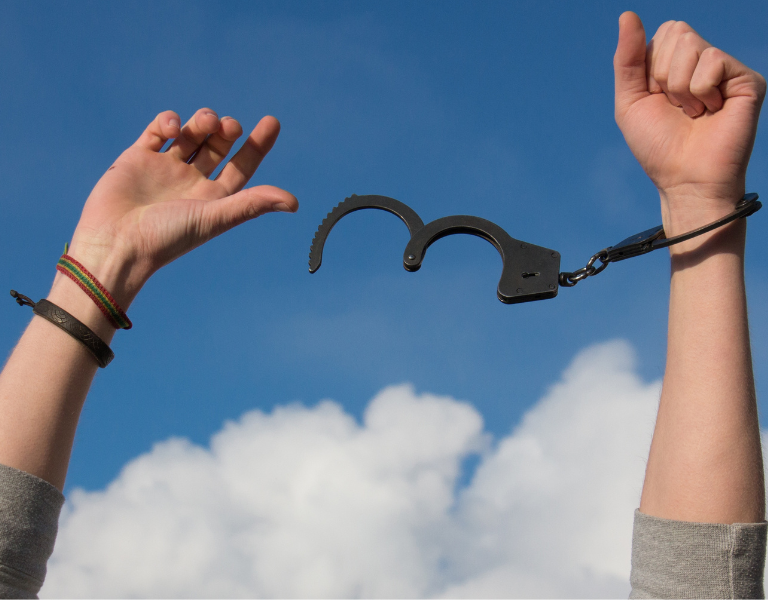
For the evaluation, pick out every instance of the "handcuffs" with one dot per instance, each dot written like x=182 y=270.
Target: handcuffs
x=529 y=272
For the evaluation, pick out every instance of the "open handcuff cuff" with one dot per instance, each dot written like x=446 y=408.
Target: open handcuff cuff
x=529 y=272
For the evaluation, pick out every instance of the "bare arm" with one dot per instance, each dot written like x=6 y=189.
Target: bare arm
x=148 y=209
x=689 y=113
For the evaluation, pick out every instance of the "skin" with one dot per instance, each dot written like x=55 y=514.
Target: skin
x=688 y=112
x=148 y=209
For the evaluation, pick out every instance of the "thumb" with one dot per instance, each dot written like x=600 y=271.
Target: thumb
x=225 y=213
x=629 y=63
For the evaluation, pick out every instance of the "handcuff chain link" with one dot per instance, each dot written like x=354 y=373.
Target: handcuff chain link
x=653 y=239
x=569 y=279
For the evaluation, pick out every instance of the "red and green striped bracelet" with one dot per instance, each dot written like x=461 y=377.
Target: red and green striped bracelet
x=91 y=286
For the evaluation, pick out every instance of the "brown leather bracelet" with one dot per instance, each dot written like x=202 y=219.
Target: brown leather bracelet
x=66 y=322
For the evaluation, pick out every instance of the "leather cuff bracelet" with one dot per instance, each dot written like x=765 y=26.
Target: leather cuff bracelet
x=66 y=322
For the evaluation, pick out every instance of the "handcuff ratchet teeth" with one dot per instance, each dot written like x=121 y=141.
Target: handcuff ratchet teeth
x=529 y=272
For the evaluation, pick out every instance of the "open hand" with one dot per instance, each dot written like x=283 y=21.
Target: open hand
x=689 y=114
x=149 y=208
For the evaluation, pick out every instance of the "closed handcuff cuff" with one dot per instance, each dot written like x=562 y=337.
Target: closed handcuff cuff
x=529 y=272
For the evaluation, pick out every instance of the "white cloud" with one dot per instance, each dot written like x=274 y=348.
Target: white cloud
x=308 y=502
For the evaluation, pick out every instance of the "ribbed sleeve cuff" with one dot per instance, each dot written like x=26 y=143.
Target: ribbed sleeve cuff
x=29 y=518
x=679 y=559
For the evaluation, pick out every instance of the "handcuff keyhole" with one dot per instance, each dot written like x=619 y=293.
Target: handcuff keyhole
x=534 y=274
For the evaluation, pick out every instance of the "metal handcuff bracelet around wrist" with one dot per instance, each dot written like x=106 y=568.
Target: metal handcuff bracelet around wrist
x=529 y=272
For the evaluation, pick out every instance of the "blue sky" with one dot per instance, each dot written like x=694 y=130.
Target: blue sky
x=501 y=110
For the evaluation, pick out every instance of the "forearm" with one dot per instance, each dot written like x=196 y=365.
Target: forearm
x=149 y=208
x=44 y=385
x=705 y=462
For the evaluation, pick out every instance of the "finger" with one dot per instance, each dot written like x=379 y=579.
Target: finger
x=652 y=55
x=243 y=165
x=629 y=62
x=164 y=127
x=685 y=58
x=203 y=123
x=660 y=53
x=225 y=213
x=719 y=76
x=663 y=61
x=217 y=146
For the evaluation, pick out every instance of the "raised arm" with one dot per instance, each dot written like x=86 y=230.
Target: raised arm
x=689 y=113
x=149 y=208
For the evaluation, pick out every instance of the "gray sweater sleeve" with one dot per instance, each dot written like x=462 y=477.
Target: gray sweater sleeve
x=29 y=518
x=670 y=559
x=678 y=559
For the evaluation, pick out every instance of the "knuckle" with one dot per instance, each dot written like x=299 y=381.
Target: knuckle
x=689 y=39
x=661 y=31
x=665 y=25
x=681 y=27
x=711 y=54
x=760 y=86
x=253 y=210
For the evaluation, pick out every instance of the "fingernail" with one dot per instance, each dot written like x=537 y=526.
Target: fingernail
x=213 y=114
x=173 y=123
x=281 y=206
x=691 y=112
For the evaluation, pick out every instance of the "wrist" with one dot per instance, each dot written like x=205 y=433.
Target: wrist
x=685 y=210
x=117 y=270
x=66 y=294
x=97 y=284
x=721 y=249
x=687 y=207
